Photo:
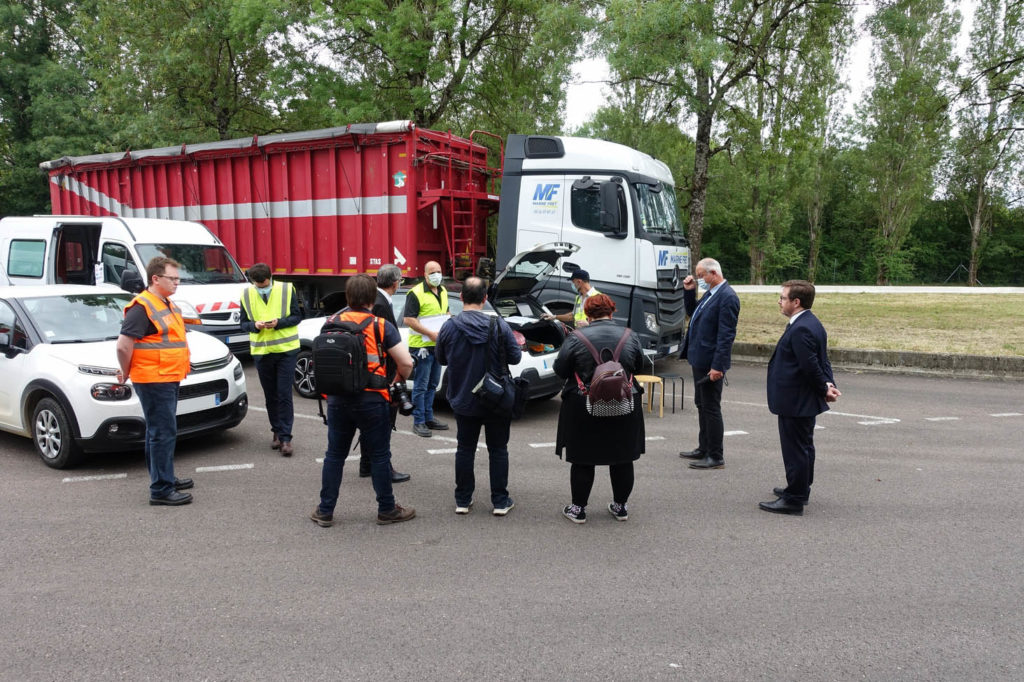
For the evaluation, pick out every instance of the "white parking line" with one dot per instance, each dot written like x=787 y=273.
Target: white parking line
x=654 y=438
x=1007 y=414
x=224 y=467
x=735 y=433
x=941 y=419
x=542 y=445
x=98 y=477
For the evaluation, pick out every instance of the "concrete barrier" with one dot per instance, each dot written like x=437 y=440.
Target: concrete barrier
x=902 y=362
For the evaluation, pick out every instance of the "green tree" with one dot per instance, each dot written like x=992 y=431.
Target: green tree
x=988 y=147
x=45 y=99
x=905 y=118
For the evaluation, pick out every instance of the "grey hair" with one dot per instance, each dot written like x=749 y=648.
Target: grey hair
x=388 y=275
x=711 y=265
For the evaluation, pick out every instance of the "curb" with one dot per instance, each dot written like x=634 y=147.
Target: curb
x=902 y=362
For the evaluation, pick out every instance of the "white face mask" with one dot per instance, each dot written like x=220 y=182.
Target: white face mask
x=702 y=284
x=434 y=279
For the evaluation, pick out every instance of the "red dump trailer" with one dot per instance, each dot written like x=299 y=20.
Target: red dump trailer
x=313 y=205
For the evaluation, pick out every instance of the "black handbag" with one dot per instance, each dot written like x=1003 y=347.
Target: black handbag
x=497 y=392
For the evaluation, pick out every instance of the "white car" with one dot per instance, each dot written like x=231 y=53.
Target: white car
x=59 y=367
x=511 y=297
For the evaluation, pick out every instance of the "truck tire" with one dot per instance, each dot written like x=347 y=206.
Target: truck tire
x=52 y=435
x=305 y=381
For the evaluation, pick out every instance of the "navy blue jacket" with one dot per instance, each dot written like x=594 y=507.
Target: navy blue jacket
x=461 y=345
x=709 y=337
x=799 y=370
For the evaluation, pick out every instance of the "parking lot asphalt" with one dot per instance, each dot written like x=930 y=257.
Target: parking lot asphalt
x=906 y=564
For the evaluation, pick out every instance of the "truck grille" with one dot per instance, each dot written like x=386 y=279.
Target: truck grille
x=671 y=310
x=209 y=365
x=216 y=317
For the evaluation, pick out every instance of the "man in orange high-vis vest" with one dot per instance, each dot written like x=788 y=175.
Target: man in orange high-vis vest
x=153 y=354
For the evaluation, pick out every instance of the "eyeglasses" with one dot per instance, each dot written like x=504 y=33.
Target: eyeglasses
x=176 y=280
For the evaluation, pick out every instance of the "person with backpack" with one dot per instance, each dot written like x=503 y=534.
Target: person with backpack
x=468 y=344
x=601 y=421
x=349 y=357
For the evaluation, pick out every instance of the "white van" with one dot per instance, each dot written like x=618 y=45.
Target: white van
x=92 y=250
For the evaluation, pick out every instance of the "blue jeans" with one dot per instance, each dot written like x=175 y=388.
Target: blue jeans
x=496 y=432
x=160 y=407
x=426 y=375
x=373 y=419
x=277 y=372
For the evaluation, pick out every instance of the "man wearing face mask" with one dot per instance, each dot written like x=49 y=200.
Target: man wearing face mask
x=270 y=313
x=580 y=283
x=427 y=299
x=708 y=349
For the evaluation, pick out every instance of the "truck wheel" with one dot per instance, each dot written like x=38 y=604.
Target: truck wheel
x=305 y=381
x=52 y=436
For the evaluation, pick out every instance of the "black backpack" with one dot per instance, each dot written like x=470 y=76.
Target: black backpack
x=339 y=357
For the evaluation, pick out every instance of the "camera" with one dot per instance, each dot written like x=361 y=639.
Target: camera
x=400 y=396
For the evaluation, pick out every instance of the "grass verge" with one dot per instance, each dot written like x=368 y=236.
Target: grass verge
x=930 y=323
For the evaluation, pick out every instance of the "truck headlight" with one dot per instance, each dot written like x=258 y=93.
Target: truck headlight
x=651 y=321
x=111 y=392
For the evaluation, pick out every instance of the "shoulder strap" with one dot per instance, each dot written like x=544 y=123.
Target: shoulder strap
x=622 y=342
x=589 y=346
x=487 y=353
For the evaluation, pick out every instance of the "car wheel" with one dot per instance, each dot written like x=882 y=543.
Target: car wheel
x=52 y=436
x=305 y=381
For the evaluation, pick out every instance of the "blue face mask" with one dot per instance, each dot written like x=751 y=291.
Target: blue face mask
x=265 y=291
x=702 y=285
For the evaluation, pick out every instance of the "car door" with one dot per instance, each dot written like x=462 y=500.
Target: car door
x=13 y=366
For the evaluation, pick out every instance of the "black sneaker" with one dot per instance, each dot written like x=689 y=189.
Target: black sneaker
x=396 y=515
x=575 y=513
x=619 y=511
x=172 y=499
x=421 y=430
x=435 y=425
x=322 y=520
x=504 y=509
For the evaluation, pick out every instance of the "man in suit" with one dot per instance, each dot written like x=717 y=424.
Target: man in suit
x=708 y=349
x=389 y=278
x=800 y=384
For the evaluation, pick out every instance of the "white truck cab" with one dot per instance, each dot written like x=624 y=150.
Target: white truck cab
x=619 y=206
x=92 y=250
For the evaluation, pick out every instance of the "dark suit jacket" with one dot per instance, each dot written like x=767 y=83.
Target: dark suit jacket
x=709 y=337
x=382 y=308
x=799 y=370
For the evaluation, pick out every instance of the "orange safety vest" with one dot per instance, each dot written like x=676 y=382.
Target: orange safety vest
x=374 y=363
x=161 y=357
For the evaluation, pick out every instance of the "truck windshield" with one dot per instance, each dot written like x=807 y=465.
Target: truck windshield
x=658 y=211
x=200 y=264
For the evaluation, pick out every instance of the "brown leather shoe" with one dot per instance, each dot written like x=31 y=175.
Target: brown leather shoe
x=275 y=444
x=396 y=515
x=286 y=449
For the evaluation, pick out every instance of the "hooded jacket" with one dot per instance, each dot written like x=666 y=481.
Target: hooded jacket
x=461 y=345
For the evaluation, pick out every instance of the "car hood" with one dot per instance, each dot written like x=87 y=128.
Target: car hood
x=529 y=270
x=202 y=348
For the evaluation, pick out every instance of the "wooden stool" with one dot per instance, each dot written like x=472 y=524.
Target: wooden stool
x=649 y=381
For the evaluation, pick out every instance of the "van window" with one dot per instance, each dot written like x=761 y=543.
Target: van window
x=115 y=260
x=198 y=263
x=26 y=258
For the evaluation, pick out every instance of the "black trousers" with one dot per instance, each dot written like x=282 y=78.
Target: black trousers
x=277 y=372
x=797 y=437
x=581 y=482
x=707 y=397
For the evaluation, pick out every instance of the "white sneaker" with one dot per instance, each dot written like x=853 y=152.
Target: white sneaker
x=464 y=510
x=502 y=511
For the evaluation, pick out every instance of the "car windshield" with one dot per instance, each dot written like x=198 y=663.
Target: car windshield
x=658 y=211
x=199 y=264
x=77 y=318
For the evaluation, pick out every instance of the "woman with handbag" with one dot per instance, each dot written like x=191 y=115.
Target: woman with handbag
x=588 y=436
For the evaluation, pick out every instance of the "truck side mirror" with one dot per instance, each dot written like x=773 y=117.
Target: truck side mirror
x=611 y=219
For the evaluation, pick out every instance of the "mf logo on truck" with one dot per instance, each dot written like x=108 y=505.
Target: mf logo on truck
x=668 y=259
x=545 y=198
x=545 y=192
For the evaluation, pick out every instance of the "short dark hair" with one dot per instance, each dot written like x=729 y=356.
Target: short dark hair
x=388 y=274
x=598 y=305
x=361 y=291
x=158 y=265
x=800 y=289
x=260 y=272
x=474 y=291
